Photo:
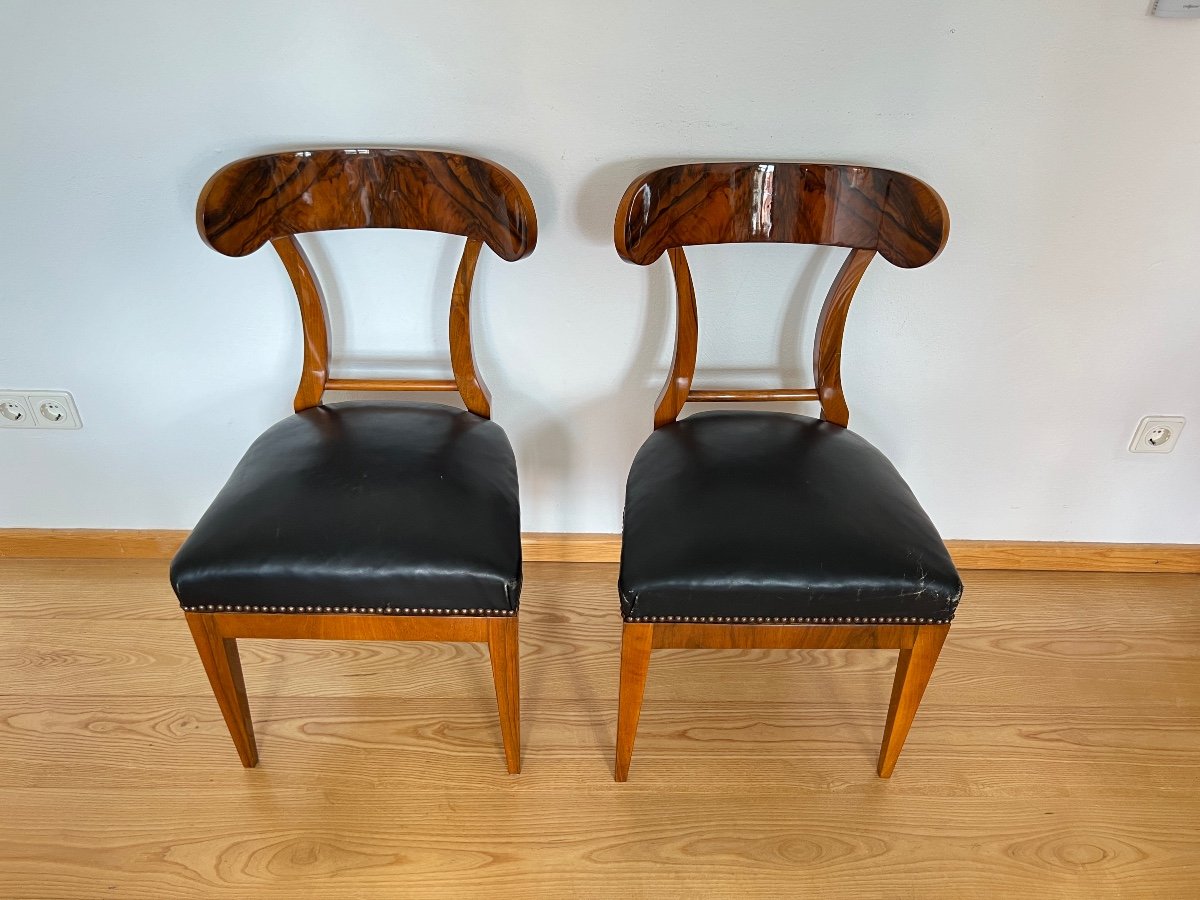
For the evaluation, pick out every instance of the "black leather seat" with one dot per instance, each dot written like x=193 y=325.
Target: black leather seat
x=771 y=517
x=402 y=508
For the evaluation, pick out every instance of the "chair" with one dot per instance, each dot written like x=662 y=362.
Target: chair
x=363 y=521
x=765 y=529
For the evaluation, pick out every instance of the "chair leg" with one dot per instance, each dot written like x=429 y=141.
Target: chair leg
x=505 y=651
x=224 y=669
x=636 y=643
x=912 y=675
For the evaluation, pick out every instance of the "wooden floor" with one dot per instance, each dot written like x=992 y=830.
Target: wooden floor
x=1057 y=755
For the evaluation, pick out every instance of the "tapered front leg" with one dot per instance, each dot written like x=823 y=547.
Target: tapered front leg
x=912 y=675
x=637 y=638
x=505 y=651
x=224 y=669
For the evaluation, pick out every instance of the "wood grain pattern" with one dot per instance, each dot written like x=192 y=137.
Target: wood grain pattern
x=1070 y=556
x=252 y=201
x=781 y=202
x=581 y=548
x=275 y=197
x=868 y=210
x=1045 y=556
x=1057 y=754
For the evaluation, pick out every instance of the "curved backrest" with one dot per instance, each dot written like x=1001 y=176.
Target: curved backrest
x=868 y=210
x=278 y=196
x=791 y=202
x=255 y=200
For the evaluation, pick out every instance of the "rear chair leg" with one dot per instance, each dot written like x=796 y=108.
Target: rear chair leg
x=224 y=669
x=912 y=675
x=505 y=651
x=637 y=639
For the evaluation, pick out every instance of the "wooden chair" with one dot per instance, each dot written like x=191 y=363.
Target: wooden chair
x=363 y=521
x=770 y=530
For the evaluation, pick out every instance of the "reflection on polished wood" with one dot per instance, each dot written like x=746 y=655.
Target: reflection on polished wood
x=275 y=197
x=1057 y=754
x=866 y=209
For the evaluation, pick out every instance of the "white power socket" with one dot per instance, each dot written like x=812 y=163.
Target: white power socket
x=1157 y=434
x=1176 y=9
x=38 y=409
x=14 y=412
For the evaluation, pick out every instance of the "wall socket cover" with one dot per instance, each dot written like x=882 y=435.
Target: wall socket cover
x=15 y=412
x=42 y=409
x=1157 y=434
x=1176 y=9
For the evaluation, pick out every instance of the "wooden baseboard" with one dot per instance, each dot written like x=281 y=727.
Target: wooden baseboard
x=543 y=546
x=1065 y=556
x=1048 y=556
x=89 y=543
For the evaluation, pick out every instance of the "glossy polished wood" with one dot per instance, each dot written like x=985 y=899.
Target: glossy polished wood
x=868 y=210
x=781 y=202
x=259 y=199
x=275 y=197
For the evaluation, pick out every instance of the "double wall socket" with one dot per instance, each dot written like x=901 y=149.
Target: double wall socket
x=38 y=409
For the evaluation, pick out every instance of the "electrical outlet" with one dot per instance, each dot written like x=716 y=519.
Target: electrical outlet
x=14 y=411
x=53 y=409
x=1176 y=9
x=1157 y=434
x=38 y=409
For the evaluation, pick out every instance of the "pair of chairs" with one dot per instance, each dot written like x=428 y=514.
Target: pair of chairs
x=400 y=521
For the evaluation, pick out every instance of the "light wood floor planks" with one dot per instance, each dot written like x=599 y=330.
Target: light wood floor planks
x=1057 y=754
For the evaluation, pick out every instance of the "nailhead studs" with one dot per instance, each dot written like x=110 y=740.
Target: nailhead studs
x=789 y=620
x=353 y=610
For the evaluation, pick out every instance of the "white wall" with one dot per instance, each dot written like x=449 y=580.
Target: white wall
x=1004 y=380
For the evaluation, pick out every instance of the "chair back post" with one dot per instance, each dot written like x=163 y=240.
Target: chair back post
x=683 y=362
x=867 y=210
x=274 y=197
x=827 y=349
x=314 y=320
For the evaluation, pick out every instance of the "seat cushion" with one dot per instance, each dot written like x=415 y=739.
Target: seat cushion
x=403 y=508
x=746 y=516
